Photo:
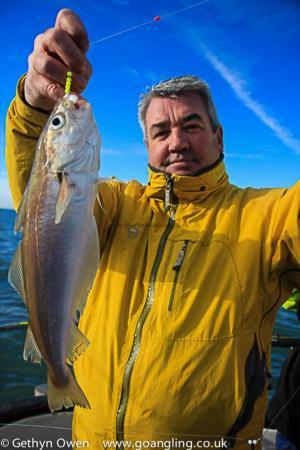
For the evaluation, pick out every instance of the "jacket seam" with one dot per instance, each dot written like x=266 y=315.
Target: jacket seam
x=220 y=338
x=274 y=305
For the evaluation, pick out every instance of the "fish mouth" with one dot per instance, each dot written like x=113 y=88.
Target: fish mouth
x=78 y=102
x=81 y=103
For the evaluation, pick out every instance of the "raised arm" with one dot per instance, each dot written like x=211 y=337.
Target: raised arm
x=56 y=51
x=285 y=241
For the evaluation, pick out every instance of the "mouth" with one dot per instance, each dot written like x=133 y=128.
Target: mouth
x=81 y=102
x=182 y=167
x=181 y=162
x=78 y=102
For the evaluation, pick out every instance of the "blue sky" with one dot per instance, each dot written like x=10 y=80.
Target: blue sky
x=247 y=51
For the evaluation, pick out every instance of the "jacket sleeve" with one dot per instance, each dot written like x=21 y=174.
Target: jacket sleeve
x=285 y=237
x=23 y=127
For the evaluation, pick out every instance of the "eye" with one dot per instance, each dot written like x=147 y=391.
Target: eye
x=57 y=122
x=161 y=134
x=192 y=126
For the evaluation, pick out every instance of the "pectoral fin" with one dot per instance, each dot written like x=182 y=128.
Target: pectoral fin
x=31 y=350
x=76 y=345
x=65 y=194
x=15 y=274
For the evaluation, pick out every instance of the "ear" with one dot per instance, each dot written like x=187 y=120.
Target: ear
x=219 y=136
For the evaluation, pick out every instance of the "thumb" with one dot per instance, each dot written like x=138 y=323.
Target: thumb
x=71 y=23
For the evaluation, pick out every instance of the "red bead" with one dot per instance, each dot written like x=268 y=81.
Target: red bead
x=156 y=18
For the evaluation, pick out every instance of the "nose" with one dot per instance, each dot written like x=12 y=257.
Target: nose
x=178 y=141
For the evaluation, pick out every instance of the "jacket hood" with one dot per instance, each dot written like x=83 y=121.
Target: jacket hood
x=185 y=187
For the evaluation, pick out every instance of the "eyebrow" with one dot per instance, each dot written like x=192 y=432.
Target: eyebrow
x=165 y=123
x=193 y=116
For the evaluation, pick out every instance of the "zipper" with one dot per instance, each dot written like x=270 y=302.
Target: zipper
x=176 y=268
x=141 y=320
x=168 y=192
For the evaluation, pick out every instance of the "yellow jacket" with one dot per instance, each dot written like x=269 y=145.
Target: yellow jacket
x=182 y=308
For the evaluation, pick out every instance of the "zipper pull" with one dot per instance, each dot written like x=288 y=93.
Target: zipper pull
x=176 y=268
x=168 y=192
x=180 y=257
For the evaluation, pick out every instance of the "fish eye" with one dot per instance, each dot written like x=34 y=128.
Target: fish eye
x=57 y=122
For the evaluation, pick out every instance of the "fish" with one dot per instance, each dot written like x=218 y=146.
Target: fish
x=56 y=262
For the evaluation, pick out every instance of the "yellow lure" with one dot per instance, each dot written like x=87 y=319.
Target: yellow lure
x=68 y=82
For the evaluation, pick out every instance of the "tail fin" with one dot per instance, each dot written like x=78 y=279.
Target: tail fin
x=67 y=396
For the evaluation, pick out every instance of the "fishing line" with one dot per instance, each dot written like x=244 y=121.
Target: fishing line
x=36 y=426
x=280 y=411
x=13 y=326
x=143 y=24
x=277 y=340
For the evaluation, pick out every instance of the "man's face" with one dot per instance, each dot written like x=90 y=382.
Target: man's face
x=180 y=138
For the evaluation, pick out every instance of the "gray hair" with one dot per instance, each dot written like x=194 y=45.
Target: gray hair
x=174 y=87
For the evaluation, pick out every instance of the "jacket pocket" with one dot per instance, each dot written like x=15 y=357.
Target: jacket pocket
x=198 y=294
x=176 y=269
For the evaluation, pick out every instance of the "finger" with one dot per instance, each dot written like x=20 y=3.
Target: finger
x=69 y=22
x=49 y=92
x=55 y=70
x=59 y=43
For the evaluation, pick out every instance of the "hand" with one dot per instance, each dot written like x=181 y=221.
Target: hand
x=56 y=51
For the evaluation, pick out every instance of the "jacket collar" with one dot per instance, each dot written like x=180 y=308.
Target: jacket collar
x=189 y=188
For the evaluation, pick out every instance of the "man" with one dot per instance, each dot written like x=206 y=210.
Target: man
x=192 y=271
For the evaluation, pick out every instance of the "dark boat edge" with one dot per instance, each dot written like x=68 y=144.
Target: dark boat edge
x=22 y=409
